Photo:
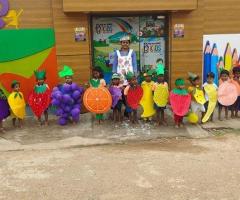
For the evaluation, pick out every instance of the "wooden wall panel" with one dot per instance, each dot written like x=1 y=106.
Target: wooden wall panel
x=220 y=16
x=64 y=25
x=36 y=14
x=184 y=62
x=80 y=65
x=127 y=5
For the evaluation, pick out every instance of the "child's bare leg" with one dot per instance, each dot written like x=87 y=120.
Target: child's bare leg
x=135 y=116
x=114 y=115
x=1 y=127
x=46 y=117
x=158 y=117
x=226 y=112
x=163 y=118
x=232 y=110
x=14 y=122
x=219 y=112
x=20 y=124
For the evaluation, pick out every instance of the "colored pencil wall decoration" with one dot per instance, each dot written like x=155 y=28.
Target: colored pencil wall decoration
x=228 y=58
x=214 y=63
x=220 y=51
x=234 y=58
x=207 y=61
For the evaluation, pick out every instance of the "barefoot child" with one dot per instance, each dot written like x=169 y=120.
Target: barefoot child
x=116 y=92
x=180 y=101
x=147 y=99
x=39 y=99
x=97 y=81
x=198 y=99
x=160 y=97
x=224 y=77
x=17 y=104
x=210 y=90
x=67 y=98
x=4 y=111
x=133 y=93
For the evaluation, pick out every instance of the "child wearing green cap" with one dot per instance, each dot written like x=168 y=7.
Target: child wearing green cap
x=39 y=99
x=160 y=86
x=115 y=90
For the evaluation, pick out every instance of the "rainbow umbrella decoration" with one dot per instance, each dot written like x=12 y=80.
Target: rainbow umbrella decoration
x=214 y=63
x=228 y=58
x=207 y=61
x=235 y=57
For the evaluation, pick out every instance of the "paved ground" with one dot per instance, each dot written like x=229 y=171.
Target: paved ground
x=107 y=162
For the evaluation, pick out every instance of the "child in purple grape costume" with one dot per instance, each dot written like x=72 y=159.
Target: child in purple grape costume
x=4 y=110
x=116 y=91
x=67 y=98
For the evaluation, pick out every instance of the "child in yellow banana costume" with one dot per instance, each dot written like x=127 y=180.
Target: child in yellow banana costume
x=147 y=99
x=17 y=104
x=210 y=89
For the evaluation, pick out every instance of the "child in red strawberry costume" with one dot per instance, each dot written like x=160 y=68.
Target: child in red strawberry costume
x=133 y=94
x=39 y=98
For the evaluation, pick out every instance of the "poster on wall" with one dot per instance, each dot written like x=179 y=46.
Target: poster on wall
x=107 y=32
x=178 y=30
x=152 y=52
x=220 y=51
x=152 y=42
x=80 y=34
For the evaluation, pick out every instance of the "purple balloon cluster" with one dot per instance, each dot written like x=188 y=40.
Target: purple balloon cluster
x=67 y=99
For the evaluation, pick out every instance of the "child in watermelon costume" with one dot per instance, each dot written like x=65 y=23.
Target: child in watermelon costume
x=147 y=99
x=160 y=97
x=116 y=92
x=97 y=81
x=180 y=101
x=197 y=94
x=67 y=98
x=4 y=111
x=133 y=94
x=17 y=104
x=39 y=98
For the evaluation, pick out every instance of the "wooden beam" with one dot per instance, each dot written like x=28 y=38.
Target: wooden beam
x=127 y=5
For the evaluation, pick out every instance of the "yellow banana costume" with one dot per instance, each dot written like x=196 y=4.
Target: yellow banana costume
x=17 y=104
x=147 y=100
x=199 y=96
x=212 y=94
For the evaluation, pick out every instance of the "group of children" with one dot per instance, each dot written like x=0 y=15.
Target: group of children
x=153 y=96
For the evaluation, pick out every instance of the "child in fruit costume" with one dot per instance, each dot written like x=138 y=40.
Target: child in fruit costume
x=67 y=98
x=147 y=99
x=133 y=94
x=160 y=97
x=4 y=111
x=17 y=104
x=39 y=98
x=97 y=81
x=117 y=101
x=125 y=60
x=180 y=101
x=236 y=79
x=227 y=94
x=198 y=99
x=210 y=90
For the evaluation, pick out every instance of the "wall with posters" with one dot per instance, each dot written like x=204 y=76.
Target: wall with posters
x=147 y=40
